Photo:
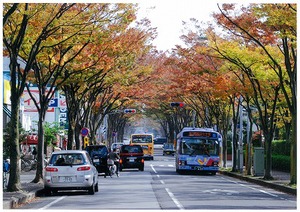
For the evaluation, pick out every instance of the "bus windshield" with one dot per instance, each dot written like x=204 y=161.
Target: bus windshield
x=141 y=139
x=197 y=146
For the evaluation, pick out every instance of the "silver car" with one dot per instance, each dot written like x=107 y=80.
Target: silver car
x=70 y=170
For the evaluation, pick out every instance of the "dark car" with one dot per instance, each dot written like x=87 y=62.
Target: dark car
x=168 y=149
x=98 y=154
x=131 y=156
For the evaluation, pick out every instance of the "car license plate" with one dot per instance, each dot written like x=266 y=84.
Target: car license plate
x=132 y=159
x=67 y=179
x=96 y=160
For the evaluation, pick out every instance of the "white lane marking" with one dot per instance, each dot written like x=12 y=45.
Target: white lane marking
x=220 y=191
x=177 y=203
x=273 y=195
x=248 y=186
x=162 y=165
x=51 y=203
x=153 y=169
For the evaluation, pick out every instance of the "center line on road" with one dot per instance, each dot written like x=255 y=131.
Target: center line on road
x=51 y=203
x=177 y=203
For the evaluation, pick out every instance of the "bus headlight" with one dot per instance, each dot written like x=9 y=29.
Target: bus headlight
x=182 y=162
x=216 y=163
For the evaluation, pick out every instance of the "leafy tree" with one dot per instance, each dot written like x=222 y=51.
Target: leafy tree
x=266 y=25
x=106 y=85
x=16 y=19
x=51 y=132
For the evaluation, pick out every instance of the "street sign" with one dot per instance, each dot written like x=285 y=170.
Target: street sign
x=85 y=131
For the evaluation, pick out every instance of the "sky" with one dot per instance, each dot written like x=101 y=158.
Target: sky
x=167 y=16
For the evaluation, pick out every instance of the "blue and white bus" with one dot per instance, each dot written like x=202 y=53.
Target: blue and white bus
x=197 y=149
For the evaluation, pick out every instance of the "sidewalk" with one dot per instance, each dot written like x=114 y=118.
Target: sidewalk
x=31 y=190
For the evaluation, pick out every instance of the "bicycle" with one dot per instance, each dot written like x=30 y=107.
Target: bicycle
x=5 y=179
x=28 y=164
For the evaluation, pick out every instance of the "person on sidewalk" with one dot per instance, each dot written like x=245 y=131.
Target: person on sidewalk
x=34 y=153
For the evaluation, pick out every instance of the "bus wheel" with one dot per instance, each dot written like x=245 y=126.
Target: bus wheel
x=179 y=171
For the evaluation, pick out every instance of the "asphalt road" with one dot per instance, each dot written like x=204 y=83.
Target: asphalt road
x=160 y=187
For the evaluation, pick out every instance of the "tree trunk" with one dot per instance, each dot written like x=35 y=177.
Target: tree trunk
x=293 y=178
x=268 y=158
x=70 y=135
x=77 y=135
x=14 y=183
x=40 y=151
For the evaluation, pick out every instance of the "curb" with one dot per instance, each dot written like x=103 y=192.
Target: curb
x=282 y=188
x=20 y=198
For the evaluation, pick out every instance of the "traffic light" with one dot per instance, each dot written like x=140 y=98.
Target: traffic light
x=177 y=104
x=130 y=111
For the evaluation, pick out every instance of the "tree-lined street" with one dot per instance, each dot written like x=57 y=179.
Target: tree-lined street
x=91 y=75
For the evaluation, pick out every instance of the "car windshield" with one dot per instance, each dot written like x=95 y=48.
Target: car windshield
x=116 y=145
x=67 y=159
x=96 y=150
x=132 y=149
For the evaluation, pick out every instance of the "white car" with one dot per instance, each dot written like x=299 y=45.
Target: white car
x=116 y=146
x=70 y=170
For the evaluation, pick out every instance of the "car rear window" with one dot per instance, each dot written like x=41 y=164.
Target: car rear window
x=132 y=149
x=160 y=140
x=96 y=150
x=168 y=146
x=67 y=159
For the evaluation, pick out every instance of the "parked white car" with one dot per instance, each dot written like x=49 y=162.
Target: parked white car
x=70 y=170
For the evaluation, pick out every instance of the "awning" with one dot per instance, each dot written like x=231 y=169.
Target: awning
x=31 y=140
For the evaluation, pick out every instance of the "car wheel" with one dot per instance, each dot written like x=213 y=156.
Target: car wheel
x=54 y=191
x=47 y=191
x=92 y=190
x=96 y=188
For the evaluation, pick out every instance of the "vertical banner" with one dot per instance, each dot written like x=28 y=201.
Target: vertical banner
x=63 y=115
